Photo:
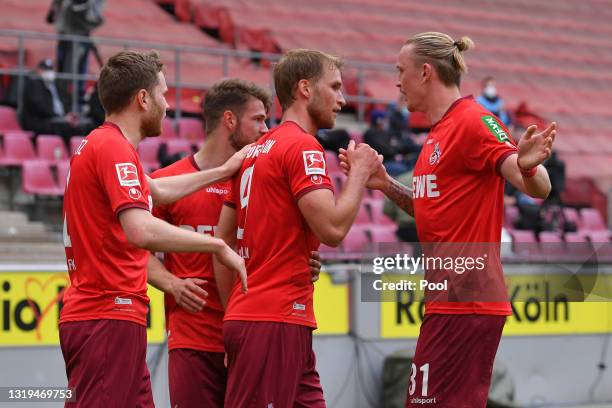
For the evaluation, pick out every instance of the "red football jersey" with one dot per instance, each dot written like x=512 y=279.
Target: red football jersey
x=273 y=236
x=197 y=212
x=458 y=192
x=107 y=274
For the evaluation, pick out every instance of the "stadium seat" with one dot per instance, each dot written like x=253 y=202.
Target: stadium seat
x=571 y=215
x=8 y=119
x=51 y=147
x=63 y=168
x=75 y=142
x=383 y=234
x=147 y=151
x=38 y=178
x=524 y=243
x=356 y=239
x=591 y=220
x=168 y=129
x=332 y=163
x=363 y=217
x=551 y=243
x=511 y=214
x=378 y=216
x=191 y=129
x=17 y=148
x=178 y=146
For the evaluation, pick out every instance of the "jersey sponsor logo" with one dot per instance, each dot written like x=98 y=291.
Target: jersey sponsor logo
x=127 y=174
x=256 y=150
x=314 y=162
x=216 y=190
x=435 y=156
x=299 y=306
x=425 y=186
x=122 y=301
x=495 y=128
x=134 y=194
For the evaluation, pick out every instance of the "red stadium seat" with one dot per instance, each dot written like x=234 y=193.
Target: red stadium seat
x=51 y=147
x=75 y=142
x=511 y=214
x=592 y=220
x=38 y=178
x=331 y=160
x=524 y=243
x=378 y=216
x=191 y=129
x=63 y=169
x=147 y=151
x=17 y=148
x=168 y=129
x=571 y=215
x=178 y=146
x=356 y=239
x=8 y=119
x=363 y=217
x=383 y=234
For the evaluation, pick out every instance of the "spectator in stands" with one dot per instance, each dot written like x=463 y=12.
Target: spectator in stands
x=393 y=147
x=491 y=101
x=93 y=107
x=406 y=227
x=556 y=172
x=398 y=118
x=44 y=109
x=75 y=17
x=333 y=139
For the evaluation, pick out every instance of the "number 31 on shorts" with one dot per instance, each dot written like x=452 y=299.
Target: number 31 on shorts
x=413 y=373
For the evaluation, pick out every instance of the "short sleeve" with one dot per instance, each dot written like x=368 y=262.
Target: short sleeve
x=228 y=198
x=304 y=163
x=122 y=177
x=487 y=143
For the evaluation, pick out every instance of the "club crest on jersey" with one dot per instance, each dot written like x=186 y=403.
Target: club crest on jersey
x=314 y=162
x=134 y=194
x=316 y=179
x=435 y=156
x=127 y=174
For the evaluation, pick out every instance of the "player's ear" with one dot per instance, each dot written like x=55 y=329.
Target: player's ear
x=304 y=88
x=427 y=72
x=143 y=99
x=229 y=119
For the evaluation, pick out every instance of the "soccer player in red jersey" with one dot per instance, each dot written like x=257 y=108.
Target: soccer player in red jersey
x=109 y=231
x=457 y=197
x=281 y=207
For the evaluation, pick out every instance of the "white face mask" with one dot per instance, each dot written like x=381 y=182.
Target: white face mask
x=490 y=91
x=48 y=76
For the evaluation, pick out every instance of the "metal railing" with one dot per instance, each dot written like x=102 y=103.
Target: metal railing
x=178 y=51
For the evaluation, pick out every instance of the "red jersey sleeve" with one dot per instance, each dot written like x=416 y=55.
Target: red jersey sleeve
x=304 y=163
x=487 y=143
x=122 y=178
x=228 y=198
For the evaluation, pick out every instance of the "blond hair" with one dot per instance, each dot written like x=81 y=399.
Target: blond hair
x=300 y=64
x=444 y=53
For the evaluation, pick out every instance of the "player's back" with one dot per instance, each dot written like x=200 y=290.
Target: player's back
x=107 y=273
x=273 y=236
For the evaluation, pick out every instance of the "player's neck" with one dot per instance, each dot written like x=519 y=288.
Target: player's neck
x=129 y=127
x=441 y=100
x=214 y=152
x=301 y=117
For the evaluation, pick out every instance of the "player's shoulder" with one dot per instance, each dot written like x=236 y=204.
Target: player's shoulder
x=182 y=166
x=477 y=121
x=292 y=136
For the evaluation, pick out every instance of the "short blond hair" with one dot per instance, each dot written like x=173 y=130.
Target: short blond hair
x=300 y=64
x=444 y=53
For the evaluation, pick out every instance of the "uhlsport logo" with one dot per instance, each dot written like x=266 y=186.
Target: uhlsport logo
x=495 y=128
x=127 y=174
x=314 y=162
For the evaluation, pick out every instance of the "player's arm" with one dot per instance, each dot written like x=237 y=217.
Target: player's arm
x=525 y=170
x=330 y=220
x=145 y=231
x=166 y=190
x=400 y=194
x=188 y=292
x=226 y=230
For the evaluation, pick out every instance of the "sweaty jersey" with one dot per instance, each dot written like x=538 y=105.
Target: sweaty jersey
x=458 y=191
x=196 y=212
x=273 y=236
x=108 y=278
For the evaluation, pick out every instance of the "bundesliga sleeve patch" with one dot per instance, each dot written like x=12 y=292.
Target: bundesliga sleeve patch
x=496 y=129
x=127 y=173
x=314 y=162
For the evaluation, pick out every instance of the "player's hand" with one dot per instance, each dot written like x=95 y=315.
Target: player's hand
x=377 y=180
x=315 y=265
x=233 y=164
x=535 y=148
x=233 y=261
x=189 y=294
x=363 y=158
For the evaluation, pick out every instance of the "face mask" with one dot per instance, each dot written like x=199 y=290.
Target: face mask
x=490 y=91
x=48 y=76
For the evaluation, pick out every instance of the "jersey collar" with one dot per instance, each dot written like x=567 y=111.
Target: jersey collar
x=453 y=106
